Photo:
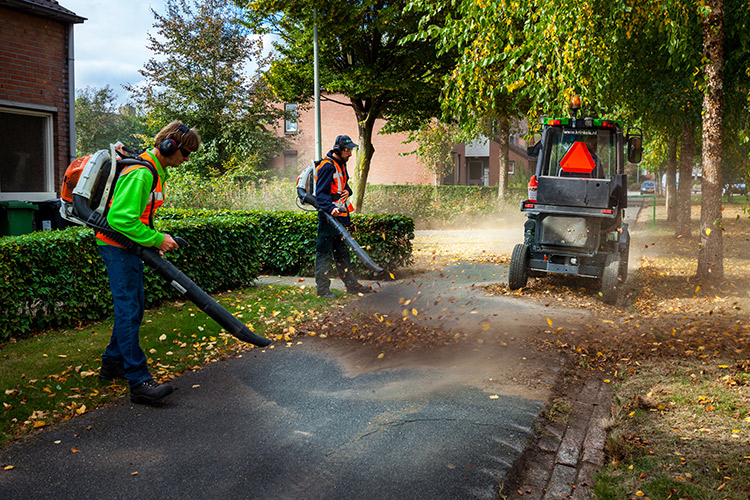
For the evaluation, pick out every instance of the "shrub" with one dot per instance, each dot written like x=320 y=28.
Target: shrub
x=432 y=206
x=57 y=278
x=287 y=239
x=429 y=206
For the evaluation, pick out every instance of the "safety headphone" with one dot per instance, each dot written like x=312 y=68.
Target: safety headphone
x=168 y=146
x=337 y=143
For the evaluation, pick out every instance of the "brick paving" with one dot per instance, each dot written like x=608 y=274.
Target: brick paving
x=561 y=463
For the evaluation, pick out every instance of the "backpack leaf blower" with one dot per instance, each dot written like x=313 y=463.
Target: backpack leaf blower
x=83 y=203
x=303 y=194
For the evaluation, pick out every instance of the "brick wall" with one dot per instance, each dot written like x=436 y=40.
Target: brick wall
x=34 y=62
x=388 y=166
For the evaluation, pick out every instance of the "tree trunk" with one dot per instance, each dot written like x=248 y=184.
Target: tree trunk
x=671 y=187
x=365 y=151
x=711 y=252
x=687 y=153
x=502 y=140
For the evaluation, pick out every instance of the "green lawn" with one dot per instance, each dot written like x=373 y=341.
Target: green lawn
x=54 y=375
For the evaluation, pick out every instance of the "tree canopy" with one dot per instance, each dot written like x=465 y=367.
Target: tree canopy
x=666 y=63
x=362 y=56
x=100 y=122
x=200 y=75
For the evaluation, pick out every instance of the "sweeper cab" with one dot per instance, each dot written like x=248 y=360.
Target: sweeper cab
x=576 y=203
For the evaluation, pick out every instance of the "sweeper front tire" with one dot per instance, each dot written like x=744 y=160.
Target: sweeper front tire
x=518 y=273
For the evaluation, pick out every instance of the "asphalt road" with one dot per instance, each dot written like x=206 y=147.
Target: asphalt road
x=324 y=419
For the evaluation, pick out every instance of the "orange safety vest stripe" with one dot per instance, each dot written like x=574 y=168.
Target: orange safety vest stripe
x=156 y=199
x=338 y=185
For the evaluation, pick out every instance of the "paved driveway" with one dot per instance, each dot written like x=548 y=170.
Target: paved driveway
x=323 y=419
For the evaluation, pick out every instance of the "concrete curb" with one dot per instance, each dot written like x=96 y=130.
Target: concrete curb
x=560 y=465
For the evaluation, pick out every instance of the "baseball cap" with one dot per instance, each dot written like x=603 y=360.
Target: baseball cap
x=344 y=141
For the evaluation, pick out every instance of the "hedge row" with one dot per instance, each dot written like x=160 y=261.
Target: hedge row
x=440 y=206
x=57 y=278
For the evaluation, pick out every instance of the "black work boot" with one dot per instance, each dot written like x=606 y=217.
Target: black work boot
x=328 y=295
x=150 y=392
x=111 y=371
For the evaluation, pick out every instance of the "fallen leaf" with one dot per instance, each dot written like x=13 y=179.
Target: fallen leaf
x=73 y=450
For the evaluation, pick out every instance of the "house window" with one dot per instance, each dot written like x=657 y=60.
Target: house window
x=26 y=169
x=290 y=124
x=511 y=167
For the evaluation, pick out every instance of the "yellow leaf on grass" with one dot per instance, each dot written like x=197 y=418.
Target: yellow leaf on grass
x=39 y=423
x=639 y=493
x=81 y=410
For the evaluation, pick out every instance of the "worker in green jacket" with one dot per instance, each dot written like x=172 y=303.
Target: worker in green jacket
x=136 y=197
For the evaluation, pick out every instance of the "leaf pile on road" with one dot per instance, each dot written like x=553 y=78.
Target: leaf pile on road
x=381 y=331
x=677 y=356
x=663 y=312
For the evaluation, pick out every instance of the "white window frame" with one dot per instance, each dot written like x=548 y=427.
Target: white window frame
x=48 y=166
x=290 y=126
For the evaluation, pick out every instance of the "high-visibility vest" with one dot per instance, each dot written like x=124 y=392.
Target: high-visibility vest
x=338 y=185
x=156 y=199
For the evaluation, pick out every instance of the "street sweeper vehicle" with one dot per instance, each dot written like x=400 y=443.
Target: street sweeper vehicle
x=576 y=203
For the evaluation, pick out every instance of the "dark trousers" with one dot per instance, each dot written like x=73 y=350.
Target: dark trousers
x=329 y=247
x=125 y=272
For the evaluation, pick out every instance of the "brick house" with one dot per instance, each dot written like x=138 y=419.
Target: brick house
x=37 y=98
x=475 y=164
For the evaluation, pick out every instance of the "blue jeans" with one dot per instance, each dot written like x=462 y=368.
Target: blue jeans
x=125 y=272
x=330 y=242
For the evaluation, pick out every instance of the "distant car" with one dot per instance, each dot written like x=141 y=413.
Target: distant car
x=648 y=187
x=736 y=188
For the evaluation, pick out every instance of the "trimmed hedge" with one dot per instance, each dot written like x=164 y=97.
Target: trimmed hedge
x=57 y=278
x=287 y=242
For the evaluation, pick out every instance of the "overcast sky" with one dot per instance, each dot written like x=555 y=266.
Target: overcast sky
x=111 y=45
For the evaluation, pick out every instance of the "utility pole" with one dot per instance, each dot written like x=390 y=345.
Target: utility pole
x=316 y=80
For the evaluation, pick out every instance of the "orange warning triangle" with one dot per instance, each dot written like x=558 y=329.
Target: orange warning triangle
x=578 y=159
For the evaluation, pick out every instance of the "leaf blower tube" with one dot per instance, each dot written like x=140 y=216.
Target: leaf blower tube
x=174 y=276
x=339 y=227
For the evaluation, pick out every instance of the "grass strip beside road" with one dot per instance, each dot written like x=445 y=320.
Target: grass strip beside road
x=54 y=376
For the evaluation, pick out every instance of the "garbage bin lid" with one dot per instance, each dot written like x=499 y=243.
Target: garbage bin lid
x=15 y=204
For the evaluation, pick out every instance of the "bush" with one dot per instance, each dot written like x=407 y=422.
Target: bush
x=429 y=206
x=57 y=278
x=287 y=239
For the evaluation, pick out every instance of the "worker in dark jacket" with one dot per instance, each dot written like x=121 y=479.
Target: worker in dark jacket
x=332 y=193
